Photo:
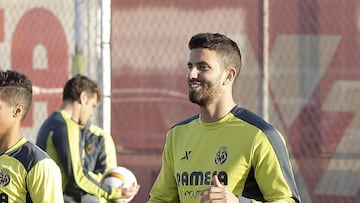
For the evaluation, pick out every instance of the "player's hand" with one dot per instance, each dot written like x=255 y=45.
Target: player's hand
x=129 y=192
x=217 y=194
x=117 y=193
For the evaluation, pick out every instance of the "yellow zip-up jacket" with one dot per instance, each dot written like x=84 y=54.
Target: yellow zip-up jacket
x=69 y=147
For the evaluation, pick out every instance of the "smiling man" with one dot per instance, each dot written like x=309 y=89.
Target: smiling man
x=225 y=153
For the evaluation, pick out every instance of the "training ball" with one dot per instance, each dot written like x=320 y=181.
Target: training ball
x=120 y=177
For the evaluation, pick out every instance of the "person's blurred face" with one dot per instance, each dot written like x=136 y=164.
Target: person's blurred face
x=204 y=76
x=87 y=109
x=6 y=117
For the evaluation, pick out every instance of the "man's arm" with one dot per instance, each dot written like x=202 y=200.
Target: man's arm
x=44 y=182
x=272 y=168
x=65 y=148
x=107 y=156
x=165 y=188
x=273 y=175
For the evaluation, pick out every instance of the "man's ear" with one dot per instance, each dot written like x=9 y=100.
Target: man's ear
x=230 y=76
x=83 y=97
x=18 y=110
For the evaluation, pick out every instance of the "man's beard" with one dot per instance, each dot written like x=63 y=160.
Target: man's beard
x=205 y=96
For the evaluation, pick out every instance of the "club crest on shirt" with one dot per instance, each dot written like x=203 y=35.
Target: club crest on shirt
x=89 y=148
x=4 y=177
x=221 y=155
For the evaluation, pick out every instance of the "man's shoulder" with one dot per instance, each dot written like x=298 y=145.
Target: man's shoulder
x=56 y=121
x=251 y=118
x=187 y=121
x=29 y=154
x=97 y=130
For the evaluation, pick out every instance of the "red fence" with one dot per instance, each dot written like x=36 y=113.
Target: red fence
x=314 y=75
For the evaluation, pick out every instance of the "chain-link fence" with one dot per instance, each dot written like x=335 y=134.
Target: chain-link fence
x=313 y=80
x=307 y=50
x=41 y=39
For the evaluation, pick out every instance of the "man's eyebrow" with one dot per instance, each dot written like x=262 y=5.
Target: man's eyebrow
x=198 y=63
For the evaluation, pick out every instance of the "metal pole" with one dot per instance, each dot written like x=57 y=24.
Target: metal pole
x=78 y=58
x=264 y=79
x=105 y=64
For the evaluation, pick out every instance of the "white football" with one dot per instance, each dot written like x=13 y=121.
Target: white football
x=120 y=177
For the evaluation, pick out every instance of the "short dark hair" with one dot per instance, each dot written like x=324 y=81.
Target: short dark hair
x=77 y=84
x=220 y=43
x=16 y=88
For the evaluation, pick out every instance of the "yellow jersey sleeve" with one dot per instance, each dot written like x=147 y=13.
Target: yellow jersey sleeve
x=44 y=182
